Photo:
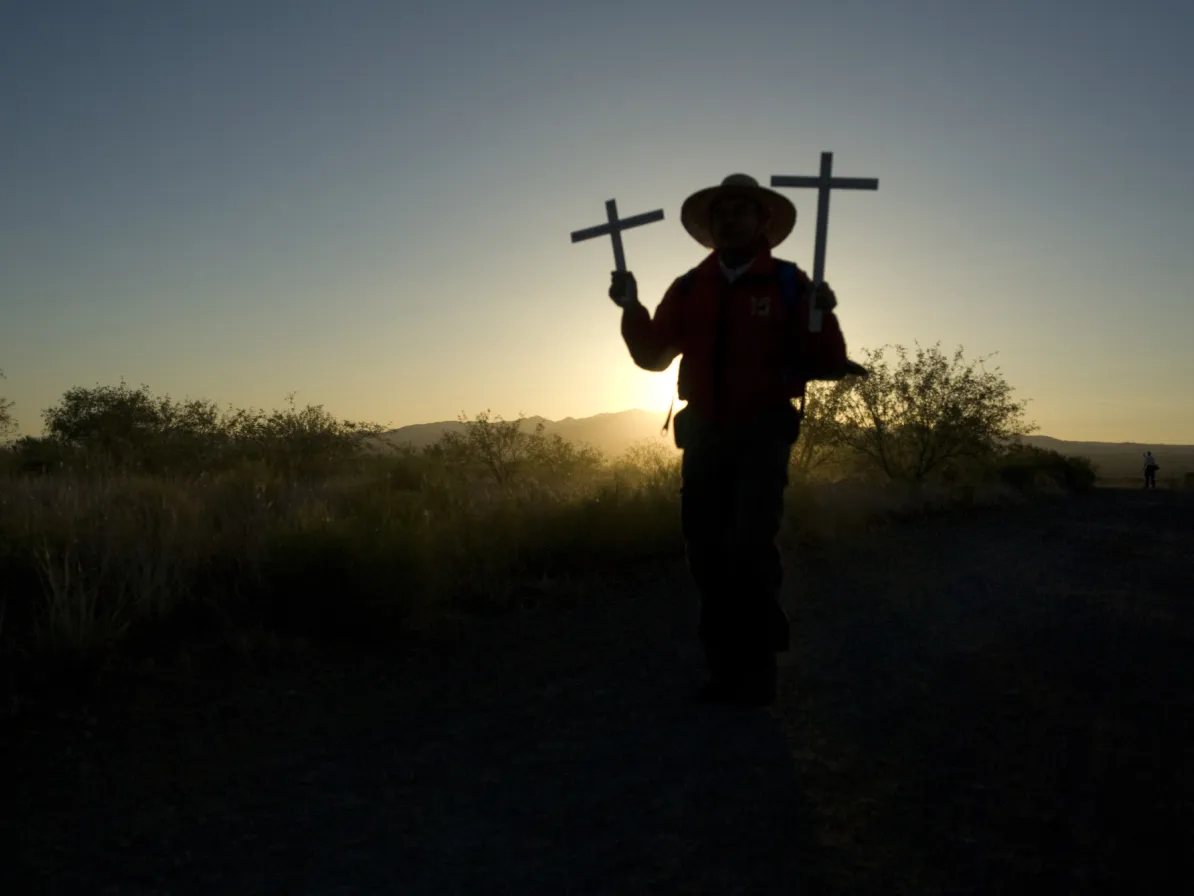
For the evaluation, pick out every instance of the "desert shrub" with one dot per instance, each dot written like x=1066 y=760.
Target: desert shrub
x=116 y=429
x=503 y=451
x=1026 y=466
x=647 y=464
x=921 y=412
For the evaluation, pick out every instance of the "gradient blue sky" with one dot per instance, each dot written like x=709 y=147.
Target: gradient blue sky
x=368 y=203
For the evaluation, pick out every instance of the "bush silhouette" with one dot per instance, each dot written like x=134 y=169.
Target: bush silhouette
x=117 y=428
x=1023 y=464
x=923 y=413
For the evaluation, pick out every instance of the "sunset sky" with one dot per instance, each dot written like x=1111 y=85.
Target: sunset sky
x=369 y=203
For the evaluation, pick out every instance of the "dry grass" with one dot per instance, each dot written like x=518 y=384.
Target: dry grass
x=91 y=567
x=85 y=561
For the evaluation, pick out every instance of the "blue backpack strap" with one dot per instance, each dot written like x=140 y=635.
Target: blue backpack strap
x=789 y=284
x=789 y=290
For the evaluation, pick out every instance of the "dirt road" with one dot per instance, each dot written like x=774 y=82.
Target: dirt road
x=972 y=705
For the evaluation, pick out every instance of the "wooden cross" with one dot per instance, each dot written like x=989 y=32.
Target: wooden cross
x=824 y=182
x=614 y=229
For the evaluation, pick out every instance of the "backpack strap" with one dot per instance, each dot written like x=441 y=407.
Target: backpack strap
x=789 y=284
x=686 y=281
x=789 y=290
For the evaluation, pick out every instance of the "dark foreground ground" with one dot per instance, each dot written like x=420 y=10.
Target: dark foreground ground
x=981 y=705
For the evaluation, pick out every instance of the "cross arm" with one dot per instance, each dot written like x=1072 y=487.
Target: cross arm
x=836 y=183
x=623 y=224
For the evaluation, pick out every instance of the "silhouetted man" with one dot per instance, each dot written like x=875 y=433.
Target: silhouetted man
x=1150 y=470
x=739 y=321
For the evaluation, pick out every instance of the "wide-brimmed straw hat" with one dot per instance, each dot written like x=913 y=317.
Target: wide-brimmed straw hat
x=694 y=214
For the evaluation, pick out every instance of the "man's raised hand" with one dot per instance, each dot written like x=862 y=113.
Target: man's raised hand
x=623 y=289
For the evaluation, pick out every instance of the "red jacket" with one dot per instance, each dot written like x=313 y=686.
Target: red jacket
x=742 y=350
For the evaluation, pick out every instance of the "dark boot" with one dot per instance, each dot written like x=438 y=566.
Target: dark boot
x=742 y=671
x=759 y=678
x=781 y=632
x=720 y=694
x=752 y=686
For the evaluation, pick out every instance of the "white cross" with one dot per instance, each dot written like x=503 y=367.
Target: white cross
x=824 y=182
x=614 y=229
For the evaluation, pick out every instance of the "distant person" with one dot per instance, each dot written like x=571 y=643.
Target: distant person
x=1150 y=470
x=739 y=321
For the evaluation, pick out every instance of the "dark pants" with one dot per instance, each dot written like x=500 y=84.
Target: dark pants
x=732 y=504
x=1150 y=477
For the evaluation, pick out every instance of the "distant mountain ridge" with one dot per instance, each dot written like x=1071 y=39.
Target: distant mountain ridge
x=610 y=433
x=613 y=433
x=1123 y=460
x=1102 y=448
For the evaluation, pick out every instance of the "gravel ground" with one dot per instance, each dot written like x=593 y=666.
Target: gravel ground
x=979 y=703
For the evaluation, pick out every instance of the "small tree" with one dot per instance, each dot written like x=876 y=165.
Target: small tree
x=8 y=423
x=506 y=452
x=113 y=424
x=556 y=458
x=497 y=445
x=925 y=412
x=296 y=440
x=120 y=427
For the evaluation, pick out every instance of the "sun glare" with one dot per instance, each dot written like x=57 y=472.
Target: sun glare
x=658 y=390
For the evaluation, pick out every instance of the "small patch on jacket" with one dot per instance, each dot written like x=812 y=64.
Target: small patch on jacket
x=760 y=306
